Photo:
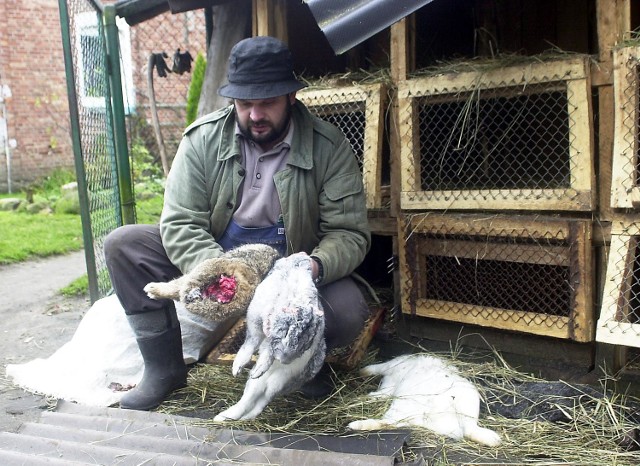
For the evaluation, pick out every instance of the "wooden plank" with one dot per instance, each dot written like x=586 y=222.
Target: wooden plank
x=625 y=139
x=270 y=19
x=582 y=315
x=405 y=273
x=613 y=21
x=498 y=225
x=581 y=136
x=402 y=52
x=609 y=329
x=527 y=199
x=278 y=24
x=519 y=321
x=401 y=49
x=333 y=95
x=606 y=130
x=385 y=226
x=372 y=156
x=496 y=77
x=486 y=251
x=624 y=334
x=260 y=18
x=409 y=147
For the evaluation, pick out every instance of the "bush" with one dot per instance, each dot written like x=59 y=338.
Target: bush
x=195 y=88
x=143 y=164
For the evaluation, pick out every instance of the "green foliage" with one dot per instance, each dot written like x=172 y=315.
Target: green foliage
x=23 y=236
x=143 y=164
x=195 y=88
x=149 y=184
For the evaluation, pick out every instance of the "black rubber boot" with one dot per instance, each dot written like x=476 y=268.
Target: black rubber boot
x=164 y=371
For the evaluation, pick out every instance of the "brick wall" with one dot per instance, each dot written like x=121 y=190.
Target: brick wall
x=166 y=33
x=32 y=65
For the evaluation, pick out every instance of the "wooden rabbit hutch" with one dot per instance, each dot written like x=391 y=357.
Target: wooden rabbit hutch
x=498 y=142
x=488 y=149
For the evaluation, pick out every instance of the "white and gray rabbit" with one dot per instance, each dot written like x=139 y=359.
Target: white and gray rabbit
x=285 y=324
x=427 y=392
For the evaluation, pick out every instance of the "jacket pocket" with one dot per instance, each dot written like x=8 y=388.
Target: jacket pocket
x=343 y=186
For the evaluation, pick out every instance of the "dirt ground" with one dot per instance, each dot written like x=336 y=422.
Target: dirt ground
x=34 y=322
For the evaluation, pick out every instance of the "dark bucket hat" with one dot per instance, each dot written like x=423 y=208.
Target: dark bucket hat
x=260 y=68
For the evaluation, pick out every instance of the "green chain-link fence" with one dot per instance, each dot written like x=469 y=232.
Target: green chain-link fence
x=97 y=121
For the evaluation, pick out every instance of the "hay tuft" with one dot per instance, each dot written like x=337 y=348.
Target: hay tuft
x=498 y=62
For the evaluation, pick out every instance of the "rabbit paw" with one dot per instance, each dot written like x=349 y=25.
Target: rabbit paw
x=160 y=290
x=153 y=290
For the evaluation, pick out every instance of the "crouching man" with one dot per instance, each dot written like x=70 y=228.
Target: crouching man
x=263 y=170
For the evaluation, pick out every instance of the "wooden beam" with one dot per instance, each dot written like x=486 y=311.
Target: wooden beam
x=402 y=48
x=270 y=19
x=613 y=23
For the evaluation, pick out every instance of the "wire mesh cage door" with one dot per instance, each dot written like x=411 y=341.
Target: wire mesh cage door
x=625 y=187
x=505 y=137
x=512 y=273
x=619 y=321
x=93 y=131
x=359 y=113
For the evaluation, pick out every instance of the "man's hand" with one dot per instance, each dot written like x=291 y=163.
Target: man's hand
x=314 y=269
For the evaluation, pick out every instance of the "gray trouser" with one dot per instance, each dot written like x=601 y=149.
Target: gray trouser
x=135 y=256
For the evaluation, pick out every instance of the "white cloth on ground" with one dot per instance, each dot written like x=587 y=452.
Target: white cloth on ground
x=102 y=351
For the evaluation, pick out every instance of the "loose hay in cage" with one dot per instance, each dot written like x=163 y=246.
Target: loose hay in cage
x=596 y=424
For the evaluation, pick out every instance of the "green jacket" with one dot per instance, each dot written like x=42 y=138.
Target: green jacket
x=321 y=193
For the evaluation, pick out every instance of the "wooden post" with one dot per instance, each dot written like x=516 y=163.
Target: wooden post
x=270 y=18
x=613 y=22
x=402 y=62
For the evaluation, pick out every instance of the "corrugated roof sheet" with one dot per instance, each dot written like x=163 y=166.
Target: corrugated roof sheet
x=346 y=23
x=77 y=434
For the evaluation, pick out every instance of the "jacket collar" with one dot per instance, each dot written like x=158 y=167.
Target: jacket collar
x=301 y=152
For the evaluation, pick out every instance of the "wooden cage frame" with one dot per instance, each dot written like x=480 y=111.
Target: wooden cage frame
x=625 y=187
x=578 y=326
x=224 y=352
x=574 y=72
x=374 y=104
x=625 y=238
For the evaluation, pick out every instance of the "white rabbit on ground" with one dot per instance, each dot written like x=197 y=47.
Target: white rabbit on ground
x=427 y=392
x=285 y=323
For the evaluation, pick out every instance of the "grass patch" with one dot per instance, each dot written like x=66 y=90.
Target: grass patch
x=78 y=287
x=148 y=210
x=23 y=236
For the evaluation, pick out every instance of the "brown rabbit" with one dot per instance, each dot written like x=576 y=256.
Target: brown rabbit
x=221 y=287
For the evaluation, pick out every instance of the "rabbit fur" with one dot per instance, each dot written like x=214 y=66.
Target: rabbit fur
x=247 y=264
x=285 y=323
x=427 y=392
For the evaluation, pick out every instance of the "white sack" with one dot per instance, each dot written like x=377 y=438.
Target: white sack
x=102 y=351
